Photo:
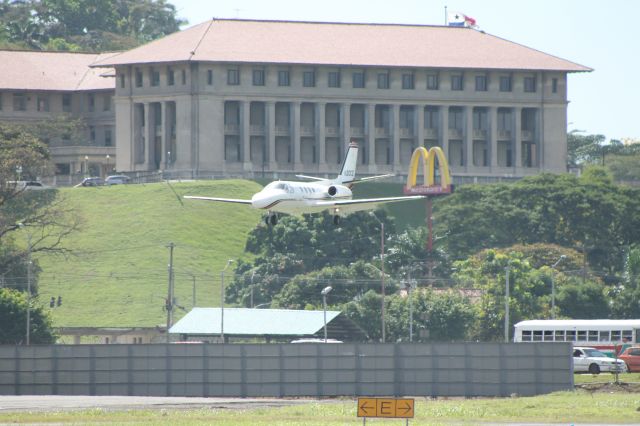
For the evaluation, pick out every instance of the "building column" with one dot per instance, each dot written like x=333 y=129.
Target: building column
x=345 y=111
x=419 y=130
x=467 y=149
x=296 y=158
x=443 y=132
x=395 y=135
x=518 y=138
x=166 y=135
x=148 y=133
x=320 y=136
x=370 y=136
x=493 y=137
x=245 y=135
x=271 y=135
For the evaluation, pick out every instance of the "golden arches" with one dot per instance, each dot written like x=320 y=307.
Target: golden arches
x=429 y=163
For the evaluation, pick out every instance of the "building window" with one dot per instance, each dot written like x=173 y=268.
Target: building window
x=91 y=102
x=19 y=102
x=209 y=77
x=92 y=134
x=529 y=84
x=407 y=81
x=334 y=78
x=233 y=76
x=505 y=83
x=43 y=103
x=481 y=83
x=108 y=141
x=258 y=77
x=456 y=118
x=283 y=78
x=184 y=77
x=457 y=83
x=154 y=76
x=309 y=78
x=66 y=102
x=554 y=85
x=383 y=80
x=432 y=82
x=123 y=81
x=171 y=76
x=106 y=106
x=138 y=77
x=358 y=79
x=431 y=118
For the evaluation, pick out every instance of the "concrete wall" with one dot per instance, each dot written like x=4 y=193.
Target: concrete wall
x=254 y=370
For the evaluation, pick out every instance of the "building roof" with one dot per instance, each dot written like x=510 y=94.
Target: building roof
x=245 y=322
x=55 y=71
x=321 y=43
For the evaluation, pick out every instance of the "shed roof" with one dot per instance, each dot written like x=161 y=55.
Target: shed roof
x=53 y=71
x=245 y=322
x=325 y=43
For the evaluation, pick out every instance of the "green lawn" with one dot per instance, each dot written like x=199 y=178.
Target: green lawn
x=117 y=275
x=560 y=408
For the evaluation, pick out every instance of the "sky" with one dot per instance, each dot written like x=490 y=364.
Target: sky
x=593 y=33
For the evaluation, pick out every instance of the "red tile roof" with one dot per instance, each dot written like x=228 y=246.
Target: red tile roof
x=60 y=71
x=321 y=43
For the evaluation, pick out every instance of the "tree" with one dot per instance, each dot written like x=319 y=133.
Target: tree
x=584 y=148
x=13 y=320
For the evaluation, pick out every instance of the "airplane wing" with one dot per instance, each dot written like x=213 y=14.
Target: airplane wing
x=368 y=178
x=309 y=177
x=351 y=206
x=222 y=200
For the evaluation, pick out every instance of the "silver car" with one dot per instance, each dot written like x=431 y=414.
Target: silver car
x=591 y=360
x=117 y=180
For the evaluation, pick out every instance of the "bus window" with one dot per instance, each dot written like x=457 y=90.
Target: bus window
x=548 y=335
x=593 y=335
x=604 y=336
x=526 y=335
x=571 y=335
x=582 y=336
x=559 y=336
x=616 y=335
x=537 y=335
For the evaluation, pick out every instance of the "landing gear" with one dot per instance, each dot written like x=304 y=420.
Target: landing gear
x=336 y=220
x=271 y=219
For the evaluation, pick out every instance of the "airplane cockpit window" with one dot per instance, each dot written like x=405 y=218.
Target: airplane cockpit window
x=281 y=185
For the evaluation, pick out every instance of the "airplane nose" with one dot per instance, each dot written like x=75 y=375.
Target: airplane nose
x=260 y=200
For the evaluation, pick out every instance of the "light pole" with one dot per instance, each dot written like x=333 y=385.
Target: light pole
x=381 y=272
x=107 y=170
x=229 y=262
x=506 y=304
x=553 y=286
x=28 y=331
x=324 y=293
x=86 y=166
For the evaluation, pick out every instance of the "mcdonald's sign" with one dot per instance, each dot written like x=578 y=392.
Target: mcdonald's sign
x=430 y=187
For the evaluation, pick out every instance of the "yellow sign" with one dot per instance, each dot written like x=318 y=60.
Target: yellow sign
x=386 y=407
x=429 y=165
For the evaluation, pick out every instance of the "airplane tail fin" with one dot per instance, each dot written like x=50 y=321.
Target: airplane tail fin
x=348 y=170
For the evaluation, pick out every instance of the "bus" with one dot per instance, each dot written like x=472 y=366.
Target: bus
x=609 y=336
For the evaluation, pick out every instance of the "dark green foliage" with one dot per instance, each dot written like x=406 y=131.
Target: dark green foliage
x=13 y=320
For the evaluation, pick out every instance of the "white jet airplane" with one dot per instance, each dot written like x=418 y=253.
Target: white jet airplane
x=297 y=198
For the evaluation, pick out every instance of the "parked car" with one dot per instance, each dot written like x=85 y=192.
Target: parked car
x=23 y=185
x=117 y=180
x=631 y=357
x=91 y=181
x=593 y=361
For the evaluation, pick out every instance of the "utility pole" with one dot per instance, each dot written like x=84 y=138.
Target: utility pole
x=29 y=290
x=506 y=305
x=169 y=303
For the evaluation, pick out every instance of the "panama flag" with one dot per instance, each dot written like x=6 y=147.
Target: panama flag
x=457 y=19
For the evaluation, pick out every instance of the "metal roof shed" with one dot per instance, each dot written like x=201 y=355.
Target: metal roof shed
x=279 y=324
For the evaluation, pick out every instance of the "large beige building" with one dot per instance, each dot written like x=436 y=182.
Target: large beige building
x=38 y=86
x=241 y=97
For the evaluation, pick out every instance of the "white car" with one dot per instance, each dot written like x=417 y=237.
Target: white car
x=117 y=180
x=593 y=361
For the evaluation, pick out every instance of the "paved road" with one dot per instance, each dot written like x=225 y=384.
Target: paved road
x=59 y=402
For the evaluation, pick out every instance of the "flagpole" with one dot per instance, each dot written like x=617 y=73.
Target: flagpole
x=445 y=17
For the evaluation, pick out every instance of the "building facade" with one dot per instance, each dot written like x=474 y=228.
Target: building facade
x=252 y=98
x=41 y=86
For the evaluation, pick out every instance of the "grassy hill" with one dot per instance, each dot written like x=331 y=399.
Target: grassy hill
x=118 y=273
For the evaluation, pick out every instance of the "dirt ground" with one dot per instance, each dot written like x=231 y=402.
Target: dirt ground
x=611 y=387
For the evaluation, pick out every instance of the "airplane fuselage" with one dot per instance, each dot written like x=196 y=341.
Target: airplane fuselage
x=299 y=197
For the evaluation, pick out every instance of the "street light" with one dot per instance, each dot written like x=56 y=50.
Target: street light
x=553 y=286
x=28 y=333
x=86 y=165
x=108 y=158
x=381 y=271
x=229 y=262
x=324 y=293
x=409 y=286
x=506 y=304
